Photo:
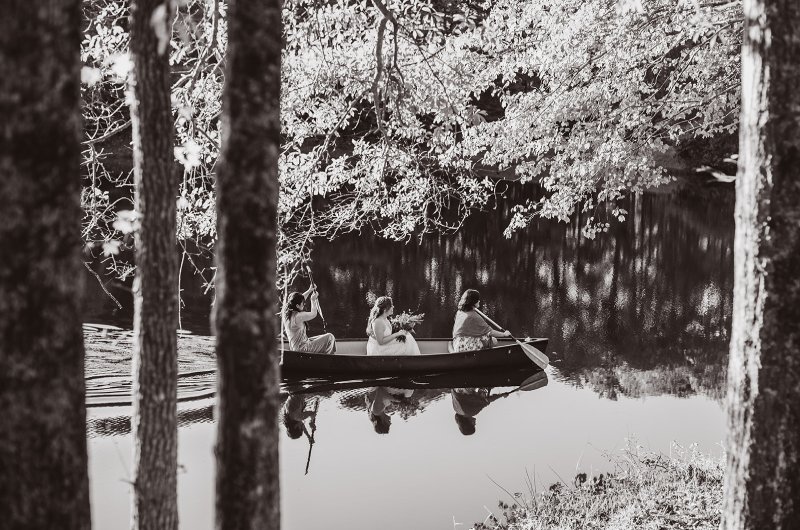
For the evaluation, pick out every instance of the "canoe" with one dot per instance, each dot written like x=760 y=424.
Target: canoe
x=351 y=359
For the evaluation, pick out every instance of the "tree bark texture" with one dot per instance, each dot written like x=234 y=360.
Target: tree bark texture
x=762 y=487
x=155 y=288
x=43 y=463
x=247 y=489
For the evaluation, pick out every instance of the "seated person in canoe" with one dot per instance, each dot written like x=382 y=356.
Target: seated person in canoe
x=381 y=339
x=294 y=320
x=470 y=330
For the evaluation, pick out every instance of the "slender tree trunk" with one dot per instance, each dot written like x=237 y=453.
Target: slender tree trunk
x=154 y=503
x=43 y=464
x=248 y=490
x=762 y=487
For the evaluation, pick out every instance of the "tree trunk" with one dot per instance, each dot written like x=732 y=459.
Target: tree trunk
x=247 y=489
x=154 y=504
x=762 y=488
x=43 y=461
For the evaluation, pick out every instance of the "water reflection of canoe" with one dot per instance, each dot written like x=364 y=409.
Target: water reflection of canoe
x=351 y=359
x=530 y=378
x=118 y=420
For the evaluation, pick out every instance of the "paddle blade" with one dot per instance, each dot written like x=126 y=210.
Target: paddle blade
x=537 y=380
x=534 y=354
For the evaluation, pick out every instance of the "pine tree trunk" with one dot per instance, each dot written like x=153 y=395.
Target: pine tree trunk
x=248 y=490
x=154 y=504
x=43 y=463
x=762 y=488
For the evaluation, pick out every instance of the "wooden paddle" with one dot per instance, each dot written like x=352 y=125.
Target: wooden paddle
x=538 y=357
x=319 y=307
x=311 y=436
x=534 y=382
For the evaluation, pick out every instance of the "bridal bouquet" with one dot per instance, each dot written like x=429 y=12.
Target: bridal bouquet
x=406 y=321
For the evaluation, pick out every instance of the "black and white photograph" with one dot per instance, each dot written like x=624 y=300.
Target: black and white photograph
x=400 y=265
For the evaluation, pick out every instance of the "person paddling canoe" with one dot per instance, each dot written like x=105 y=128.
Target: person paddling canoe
x=470 y=330
x=294 y=320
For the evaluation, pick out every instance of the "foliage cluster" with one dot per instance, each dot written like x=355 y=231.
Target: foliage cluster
x=402 y=116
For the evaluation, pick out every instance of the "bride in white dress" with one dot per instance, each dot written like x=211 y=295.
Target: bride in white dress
x=381 y=339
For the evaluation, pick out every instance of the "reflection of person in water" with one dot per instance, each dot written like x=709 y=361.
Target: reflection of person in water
x=378 y=400
x=470 y=330
x=294 y=414
x=468 y=402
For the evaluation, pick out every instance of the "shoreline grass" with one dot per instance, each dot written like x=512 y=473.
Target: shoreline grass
x=645 y=491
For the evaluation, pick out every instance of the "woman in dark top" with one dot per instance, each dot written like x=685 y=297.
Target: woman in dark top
x=470 y=330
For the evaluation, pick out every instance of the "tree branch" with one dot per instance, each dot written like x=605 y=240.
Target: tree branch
x=376 y=92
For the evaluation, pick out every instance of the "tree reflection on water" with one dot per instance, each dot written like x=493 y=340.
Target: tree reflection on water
x=641 y=310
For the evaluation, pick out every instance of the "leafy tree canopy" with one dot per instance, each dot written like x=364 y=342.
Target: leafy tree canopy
x=403 y=115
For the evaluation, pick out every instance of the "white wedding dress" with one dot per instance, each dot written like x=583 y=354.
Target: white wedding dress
x=393 y=347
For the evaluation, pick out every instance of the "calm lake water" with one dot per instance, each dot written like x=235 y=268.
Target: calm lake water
x=638 y=321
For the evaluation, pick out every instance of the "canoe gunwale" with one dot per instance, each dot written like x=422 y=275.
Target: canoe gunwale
x=505 y=355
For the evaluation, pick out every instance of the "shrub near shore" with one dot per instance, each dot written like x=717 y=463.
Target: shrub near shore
x=645 y=491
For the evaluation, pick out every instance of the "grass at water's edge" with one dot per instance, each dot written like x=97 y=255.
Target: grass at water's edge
x=645 y=491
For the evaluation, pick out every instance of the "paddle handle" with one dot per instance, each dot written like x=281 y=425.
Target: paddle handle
x=310 y=276
x=313 y=423
x=491 y=322
x=319 y=307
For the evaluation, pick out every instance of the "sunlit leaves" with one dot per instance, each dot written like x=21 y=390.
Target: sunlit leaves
x=189 y=154
x=127 y=221
x=111 y=247
x=583 y=97
x=90 y=76
x=161 y=27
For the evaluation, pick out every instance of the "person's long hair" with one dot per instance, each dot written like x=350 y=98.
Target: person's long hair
x=469 y=300
x=381 y=305
x=466 y=424
x=293 y=303
x=294 y=427
x=380 y=422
